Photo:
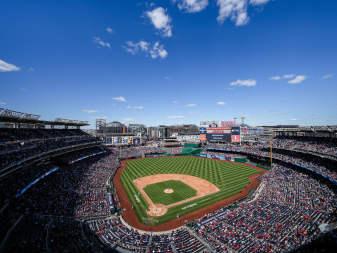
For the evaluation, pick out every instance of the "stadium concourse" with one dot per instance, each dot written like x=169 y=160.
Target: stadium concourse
x=57 y=196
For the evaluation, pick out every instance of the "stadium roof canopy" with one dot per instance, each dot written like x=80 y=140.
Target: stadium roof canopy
x=306 y=129
x=27 y=118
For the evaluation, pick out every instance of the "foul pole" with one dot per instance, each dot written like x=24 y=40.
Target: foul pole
x=271 y=154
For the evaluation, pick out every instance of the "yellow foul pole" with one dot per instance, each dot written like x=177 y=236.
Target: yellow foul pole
x=271 y=154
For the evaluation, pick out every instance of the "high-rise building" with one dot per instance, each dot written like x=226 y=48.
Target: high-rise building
x=137 y=129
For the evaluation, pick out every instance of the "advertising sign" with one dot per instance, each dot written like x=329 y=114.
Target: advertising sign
x=235 y=130
x=228 y=123
x=219 y=137
x=202 y=130
x=203 y=137
x=218 y=215
x=218 y=131
x=235 y=138
x=218 y=128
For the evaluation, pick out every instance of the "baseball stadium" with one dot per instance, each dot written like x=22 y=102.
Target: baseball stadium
x=65 y=189
x=177 y=126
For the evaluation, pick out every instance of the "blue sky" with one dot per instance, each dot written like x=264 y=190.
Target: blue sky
x=171 y=62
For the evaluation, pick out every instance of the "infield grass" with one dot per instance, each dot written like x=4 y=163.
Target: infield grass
x=230 y=178
x=180 y=192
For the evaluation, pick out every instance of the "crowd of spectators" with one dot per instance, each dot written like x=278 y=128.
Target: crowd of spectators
x=286 y=215
x=176 y=150
x=318 y=164
x=39 y=234
x=138 y=151
x=112 y=232
x=13 y=183
x=74 y=156
x=308 y=144
x=76 y=190
x=16 y=156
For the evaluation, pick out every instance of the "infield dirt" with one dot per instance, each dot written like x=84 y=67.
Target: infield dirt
x=202 y=186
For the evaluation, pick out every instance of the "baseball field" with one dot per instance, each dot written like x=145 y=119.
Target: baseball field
x=161 y=188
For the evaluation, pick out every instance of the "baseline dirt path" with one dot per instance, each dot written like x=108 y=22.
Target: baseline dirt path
x=202 y=186
x=131 y=218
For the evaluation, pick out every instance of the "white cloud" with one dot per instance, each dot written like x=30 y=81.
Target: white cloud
x=142 y=46
x=122 y=99
x=174 y=117
x=161 y=21
x=298 y=79
x=230 y=88
x=109 y=30
x=31 y=69
x=248 y=83
x=2 y=103
x=288 y=76
x=191 y=112
x=191 y=5
x=101 y=43
x=236 y=10
x=327 y=76
x=23 y=89
x=113 y=104
x=221 y=103
x=175 y=102
x=190 y=105
x=275 y=78
x=7 y=67
x=136 y=107
x=167 y=77
x=293 y=119
x=258 y=2
x=279 y=107
x=89 y=111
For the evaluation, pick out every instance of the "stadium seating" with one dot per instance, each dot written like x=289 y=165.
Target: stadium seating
x=282 y=215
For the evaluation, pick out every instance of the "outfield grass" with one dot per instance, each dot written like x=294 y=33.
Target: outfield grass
x=180 y=192
x=230 y=178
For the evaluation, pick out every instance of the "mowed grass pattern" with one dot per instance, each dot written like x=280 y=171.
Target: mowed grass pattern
x=180 y=192
x=230 y=178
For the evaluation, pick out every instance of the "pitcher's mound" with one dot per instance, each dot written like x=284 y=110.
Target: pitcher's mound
x=168 y=190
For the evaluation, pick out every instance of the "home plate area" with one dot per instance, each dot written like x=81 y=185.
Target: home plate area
x=167 y=190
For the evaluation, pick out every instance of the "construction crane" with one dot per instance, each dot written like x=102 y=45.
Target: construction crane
x=249 y=116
